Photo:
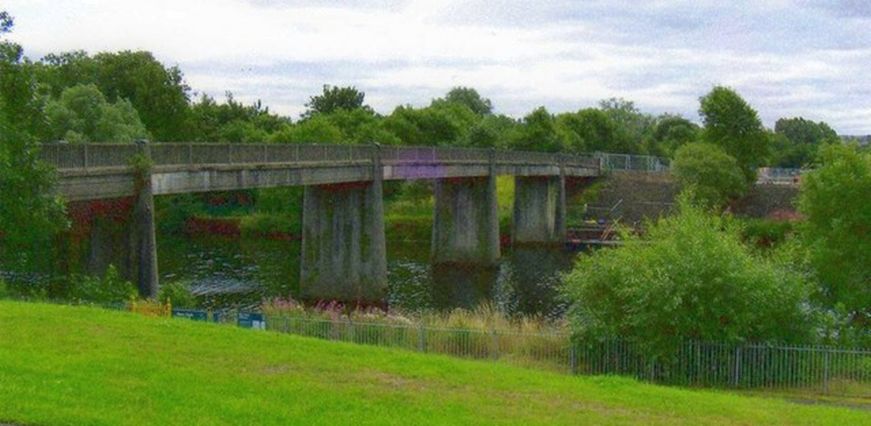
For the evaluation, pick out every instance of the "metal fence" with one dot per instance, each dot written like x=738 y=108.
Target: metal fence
x=782 y=176
x=630 y=162
x=823 y=369
x=93 y=156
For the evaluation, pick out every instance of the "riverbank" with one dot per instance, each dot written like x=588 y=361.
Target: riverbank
x=96 y=366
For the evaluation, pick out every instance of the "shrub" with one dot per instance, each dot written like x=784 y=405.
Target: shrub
x=688 y=278
x=178 y=294
x=766 y=232
x=713 y=175
x=835 y=199
x=111 y=288
x=265 y=224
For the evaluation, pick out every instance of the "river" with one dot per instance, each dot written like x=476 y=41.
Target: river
x=247 y=270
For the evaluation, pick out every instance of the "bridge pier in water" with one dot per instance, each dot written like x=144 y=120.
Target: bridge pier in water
x=465 y=221
x=539 y=210
x=118 y=232
x=344 y=255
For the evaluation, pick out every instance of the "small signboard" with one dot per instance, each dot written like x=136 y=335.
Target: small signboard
x=193 y=314
x=252 y=320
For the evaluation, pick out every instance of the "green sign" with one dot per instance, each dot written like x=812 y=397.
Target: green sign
x=193 y=314
x=252 y=320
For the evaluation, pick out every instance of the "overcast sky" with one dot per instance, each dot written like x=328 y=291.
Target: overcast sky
x=788 y=58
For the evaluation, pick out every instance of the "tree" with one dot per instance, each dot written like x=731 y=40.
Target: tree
x=491 y=131
x=537 y=132
x=335 y=98
x=442 y=123
x=82 y=114
x=317 y=129
x=712 y=176
x=734 y=125
x=593 y=130
x=469 y=97
x=688 y=278
x=834 y=198
x=670 y=133
x=30 y=214
x=795 y=141
x=158 y=93
x=633 y=127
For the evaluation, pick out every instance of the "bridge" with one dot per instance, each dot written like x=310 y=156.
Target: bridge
x=343 y=243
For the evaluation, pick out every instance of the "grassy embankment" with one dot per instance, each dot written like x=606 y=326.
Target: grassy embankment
x=76 y=365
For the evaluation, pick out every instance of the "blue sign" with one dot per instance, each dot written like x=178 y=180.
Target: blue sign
x=193 y=314
x=252 y=320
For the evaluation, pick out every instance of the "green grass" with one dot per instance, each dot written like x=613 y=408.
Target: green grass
x=77 y=365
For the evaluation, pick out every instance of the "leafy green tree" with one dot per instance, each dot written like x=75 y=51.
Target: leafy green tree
x=443 y=123
x=470 y=98
x=834 y=198
x=633 y=128
x=30 y=214
x=361 y=126
x=670 y=133
x=591 y=130
x=734 y=125
x=232 y=121
x=158 y=93
x=317 y=129
x=537 y=132
x=796 y=140
x=82 y=114
x=491 y=131
x=712 y=176
x=689 y=277
x=335 y=98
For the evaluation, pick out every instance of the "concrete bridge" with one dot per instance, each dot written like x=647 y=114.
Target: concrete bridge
x=343 y=243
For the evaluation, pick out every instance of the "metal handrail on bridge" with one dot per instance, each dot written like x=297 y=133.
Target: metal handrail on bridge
x=93 y=156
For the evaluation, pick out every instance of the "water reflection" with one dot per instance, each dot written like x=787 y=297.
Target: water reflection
x=525 y=281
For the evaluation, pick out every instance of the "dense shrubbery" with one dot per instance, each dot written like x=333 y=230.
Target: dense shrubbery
x=111 y=288
x=177 y=294
x=835 y=199
x=713 y=176
x=688 y=277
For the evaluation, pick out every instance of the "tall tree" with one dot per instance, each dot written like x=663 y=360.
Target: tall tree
x=335 y=98
x=834 y=199
x=29 y=213
x=82 y=114
x=733 y=124
x=537 y=132
x=470 y=98
x=796 y=140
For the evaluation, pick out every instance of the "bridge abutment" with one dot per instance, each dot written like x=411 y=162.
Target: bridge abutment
x=344 y=254
x=539 y=210
x=465 y=221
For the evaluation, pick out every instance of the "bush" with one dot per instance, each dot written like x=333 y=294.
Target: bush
x=265 y=224
x=688 y=278
x=178 y=294
x=111 y=288
x=834 y=199
x=713 y=175
x=766 y=232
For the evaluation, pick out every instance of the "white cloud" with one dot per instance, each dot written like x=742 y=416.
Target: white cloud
x=787 y=58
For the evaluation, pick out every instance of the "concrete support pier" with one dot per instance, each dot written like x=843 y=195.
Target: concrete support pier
x=539 y=210
x=465 y=221
x=344 y=255
x=121 y=232
x=144 y=240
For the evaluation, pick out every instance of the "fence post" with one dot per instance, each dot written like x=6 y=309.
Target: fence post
x=495 y=352
x=421 y=338
x=85 y=156
x=573 y=357
x=826 y=373
x=190 y=154
x=736 y=372
x=286 y=328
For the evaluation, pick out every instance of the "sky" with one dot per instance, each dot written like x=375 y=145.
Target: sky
x=787 y=58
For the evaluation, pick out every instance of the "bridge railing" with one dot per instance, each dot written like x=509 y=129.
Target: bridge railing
x=631 y=162
x=93 y=156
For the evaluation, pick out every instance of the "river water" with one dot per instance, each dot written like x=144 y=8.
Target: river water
x=229 y=270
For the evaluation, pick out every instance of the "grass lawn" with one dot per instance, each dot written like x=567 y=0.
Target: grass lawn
x=76 y=365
